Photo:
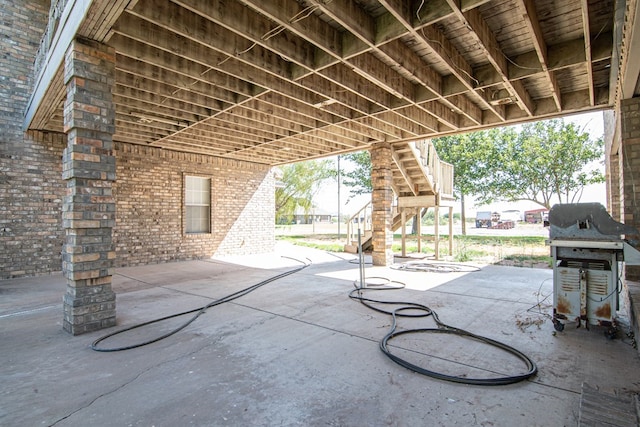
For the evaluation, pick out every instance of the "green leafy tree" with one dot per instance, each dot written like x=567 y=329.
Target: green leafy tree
x=541 y=162
x=297 y=185
x=358 y=179
x=473 y=156
x=544 y=162
x=548 y=161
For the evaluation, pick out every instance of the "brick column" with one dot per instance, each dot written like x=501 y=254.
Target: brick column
x=88 y=212
x=382 y=200
x=614 y=186
x=630 y=162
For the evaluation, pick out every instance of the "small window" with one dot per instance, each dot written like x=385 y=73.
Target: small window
x=197 y=201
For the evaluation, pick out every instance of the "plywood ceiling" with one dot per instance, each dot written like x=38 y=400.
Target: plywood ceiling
x=286 y=80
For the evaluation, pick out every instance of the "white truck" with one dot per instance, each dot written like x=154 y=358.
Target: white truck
x=485 y=219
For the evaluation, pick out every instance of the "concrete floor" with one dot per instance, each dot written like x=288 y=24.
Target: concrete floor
x=298 y=351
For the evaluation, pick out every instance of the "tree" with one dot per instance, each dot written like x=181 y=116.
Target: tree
x=358 y=178
x=549 y=161
x=541 y=162
x=299 y=182
x=473 y=156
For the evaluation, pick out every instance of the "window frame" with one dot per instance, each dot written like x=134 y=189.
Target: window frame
x=186 y=203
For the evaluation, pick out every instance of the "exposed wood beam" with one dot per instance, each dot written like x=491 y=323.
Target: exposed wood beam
x=433 y=11
x=167 y=62
x=286 y=80
x=253 y=27
x=192 y=36
x=180 y=85
x=405 y=123
x=360 y=84
x=196 y=54
x=559 y=56
x=351 y=17
x=359 y=23
x=435 y=41
x=200 y=57
x=154 y=108
x=419 y=116
x=167 y=92
x=487 y=42
x=586 y=29
x=530 y=16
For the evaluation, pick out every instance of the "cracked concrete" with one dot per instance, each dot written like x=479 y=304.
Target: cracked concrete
x=297 y=351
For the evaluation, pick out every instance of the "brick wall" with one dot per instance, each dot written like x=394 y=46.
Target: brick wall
x=613 y=165
x=148 y=188
x=31 y=190
x=630 y=139
x=31 y=193
x=149 y=192
x=149 y=207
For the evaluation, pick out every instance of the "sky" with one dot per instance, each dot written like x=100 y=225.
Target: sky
x=326 y=200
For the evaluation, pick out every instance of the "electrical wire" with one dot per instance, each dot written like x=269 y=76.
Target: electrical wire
x=538 y=304
x=415 y=310
x=198 y=311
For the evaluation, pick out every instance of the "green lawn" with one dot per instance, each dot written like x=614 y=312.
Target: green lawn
x=510 y=250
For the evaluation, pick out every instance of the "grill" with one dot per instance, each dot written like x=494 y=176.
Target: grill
x=588 y=247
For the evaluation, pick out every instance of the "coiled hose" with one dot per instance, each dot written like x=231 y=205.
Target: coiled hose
x=412 y=309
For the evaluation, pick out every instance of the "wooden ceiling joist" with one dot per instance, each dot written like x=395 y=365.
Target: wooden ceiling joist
x=277 y=81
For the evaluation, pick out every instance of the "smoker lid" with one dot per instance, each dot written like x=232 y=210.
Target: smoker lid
x=585 y=221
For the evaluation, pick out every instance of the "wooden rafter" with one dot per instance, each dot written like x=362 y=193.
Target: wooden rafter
x=486 y=40
x=276 y=81
x=433 y=39
x=584 y=7
x=530 y=16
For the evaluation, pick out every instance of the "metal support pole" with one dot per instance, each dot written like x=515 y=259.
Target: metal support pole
x=363 y=284
x=339 y=217
x=418 y=218
x=450 y=230
x=437 y=232
x=403 y=215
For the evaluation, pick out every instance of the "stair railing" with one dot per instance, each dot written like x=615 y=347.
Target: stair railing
x=361 y=220
x=439 y=173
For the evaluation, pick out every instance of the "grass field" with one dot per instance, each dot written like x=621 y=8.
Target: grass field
x=490 y=247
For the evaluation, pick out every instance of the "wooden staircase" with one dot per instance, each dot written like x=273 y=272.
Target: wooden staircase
x=419 y=173
x=420 y=180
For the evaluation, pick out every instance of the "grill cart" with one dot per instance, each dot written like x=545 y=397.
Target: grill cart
x=588 y=249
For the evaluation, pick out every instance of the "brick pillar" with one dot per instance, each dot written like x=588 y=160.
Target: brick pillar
x=88 y=212
x=630 y=162
x=614 y=186
x=382 y=200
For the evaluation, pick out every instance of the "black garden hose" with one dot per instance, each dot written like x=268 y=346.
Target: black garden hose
x=198 y=311
x=412 y=309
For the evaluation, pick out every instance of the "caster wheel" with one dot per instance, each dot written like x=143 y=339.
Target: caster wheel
x=558 y=325
x=611 y=333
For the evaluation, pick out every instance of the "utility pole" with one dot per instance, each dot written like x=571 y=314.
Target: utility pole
x=339 y=217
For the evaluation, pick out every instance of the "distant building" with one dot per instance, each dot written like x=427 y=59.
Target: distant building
x=314 y=216
x=535 y=216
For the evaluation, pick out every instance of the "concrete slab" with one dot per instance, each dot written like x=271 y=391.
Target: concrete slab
x=298 y=351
